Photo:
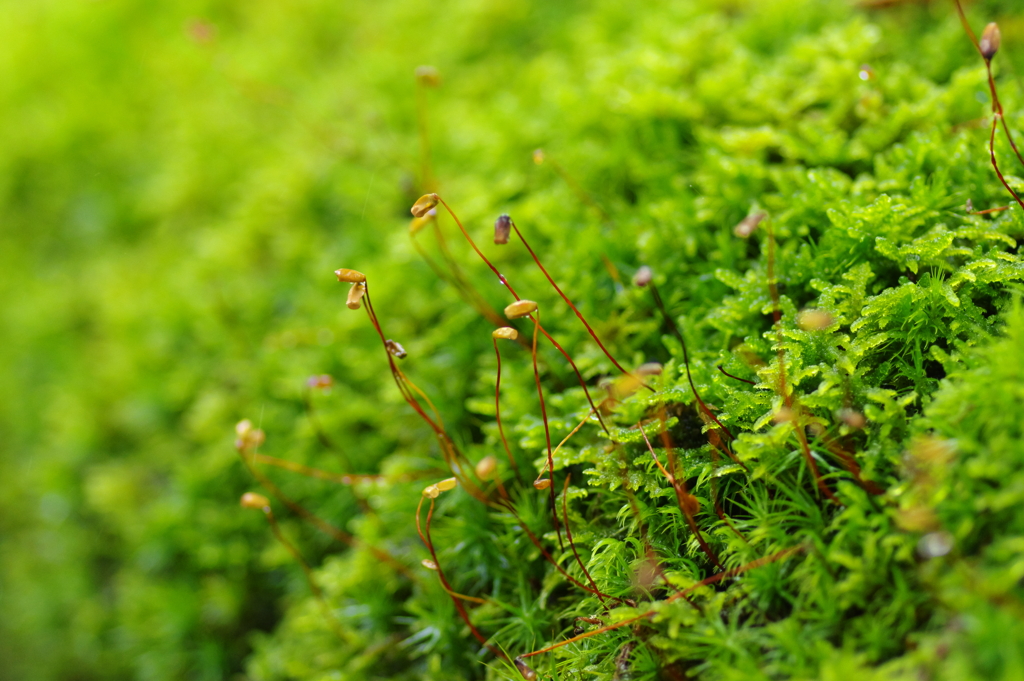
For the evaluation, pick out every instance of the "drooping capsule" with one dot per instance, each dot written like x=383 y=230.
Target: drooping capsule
x=486 y=467
x=852 y=418
x=350 y=276
x=254 y=501
x=447 y=484
x=502 y=229
x=783 y=415
x=395 y=349
x=542 y=484
x=506 y=332
x=248 y=436
x=989 y=43
x=643 y=276
x=355 y=296
x=649 y=369
x=428 y=75
x=429 y=564
x=525 y=670
x=520 y=308
x=424 y=204
x=747 y=225
x=431 y=491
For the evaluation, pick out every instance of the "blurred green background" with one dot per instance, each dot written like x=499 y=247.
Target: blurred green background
x=177 y=183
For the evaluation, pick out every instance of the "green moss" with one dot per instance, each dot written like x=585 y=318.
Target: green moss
x=177 y=199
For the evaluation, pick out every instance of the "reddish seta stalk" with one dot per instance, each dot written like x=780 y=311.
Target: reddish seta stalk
x=987 y=48
x=504 y=282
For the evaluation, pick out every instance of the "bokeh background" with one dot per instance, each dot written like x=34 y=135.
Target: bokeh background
x=177 y=182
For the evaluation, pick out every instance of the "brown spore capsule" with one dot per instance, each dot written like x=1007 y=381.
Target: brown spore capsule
x=254 y=501
x=520 y=308
x=502 y=229
x=542 y=484
x=248 y=436
x=852 y=418
x=355 y=296
x=643 y=276
x=428 y=75
x=350 y=276
x=395 y=348
x=783 y=415
x=506 y=332
x=989 y=43
x=486 y=467
x=424 y=204
x=649 y=369
x=525 y=670
x=747 y=225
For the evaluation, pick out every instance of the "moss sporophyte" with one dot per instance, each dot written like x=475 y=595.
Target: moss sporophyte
x=733 y=485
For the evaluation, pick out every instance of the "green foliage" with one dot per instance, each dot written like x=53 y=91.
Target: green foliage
x=177 y=184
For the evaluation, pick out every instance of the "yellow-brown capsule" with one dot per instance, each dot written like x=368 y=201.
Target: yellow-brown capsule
x=447 y=484
x=486 y=467
x=542 y=484
x=506 y=332
x=783 y=415
x=502 y=229
x=424 y=204
x=247 y=435
x=431 y=491
x=355 y=296
x=350 y=276
x=525 y=670
x=520 y=308
x=747 y=225
x=254 y=501
x=429 y=564
x=989 y=43
x=814 y=320
x=649 y=369
x=243 y=428
x=852 y=418
x=428 y=75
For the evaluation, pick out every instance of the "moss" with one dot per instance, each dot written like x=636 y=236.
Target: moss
x=192 y=200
